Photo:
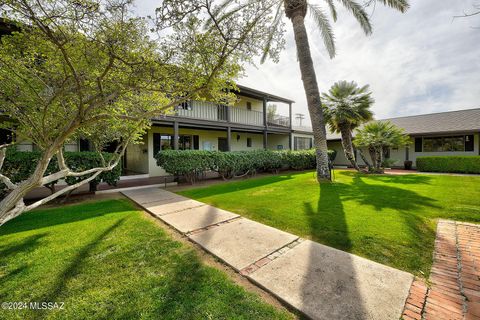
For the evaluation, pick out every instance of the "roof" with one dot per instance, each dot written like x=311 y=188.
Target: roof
x=441 y=122
x=257 y=94
x=460 y=121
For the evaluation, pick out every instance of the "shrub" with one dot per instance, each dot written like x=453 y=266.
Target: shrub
x=20 y=165
x=300 y=160
x=188 y=163
x=191 y=164
x=458 y=164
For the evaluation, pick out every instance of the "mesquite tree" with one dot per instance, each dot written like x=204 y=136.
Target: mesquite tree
x=90 y=69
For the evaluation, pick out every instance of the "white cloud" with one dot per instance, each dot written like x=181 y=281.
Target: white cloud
x=417 y=62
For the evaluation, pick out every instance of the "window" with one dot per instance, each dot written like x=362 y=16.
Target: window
x=418 y=144
x=302 y=143
x=445 y=144
x=249 y=105
x=5 y=136
x=249 y=142
x=84 y=145
x=165 y=142
x=469 y=143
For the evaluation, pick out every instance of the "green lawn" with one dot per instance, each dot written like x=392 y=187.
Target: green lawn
x=107 y=260
x=386 y=218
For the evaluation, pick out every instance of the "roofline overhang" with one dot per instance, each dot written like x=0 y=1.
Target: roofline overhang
x=257 y=94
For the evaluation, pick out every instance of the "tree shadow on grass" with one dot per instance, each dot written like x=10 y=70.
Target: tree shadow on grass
x=73 y=268
x=328 y=225
x=391 y=178
x=66 y=214
x=385 y=196
x=235 y=186
x=15 y=248
x=28 y=244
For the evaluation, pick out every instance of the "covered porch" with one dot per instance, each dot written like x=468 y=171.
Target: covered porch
x=140 y=158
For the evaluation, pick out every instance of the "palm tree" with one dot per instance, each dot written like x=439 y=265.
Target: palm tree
x=296 y=11
x=376 y=137
x=345 y=107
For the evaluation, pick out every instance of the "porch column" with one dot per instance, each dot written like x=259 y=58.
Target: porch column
x=290 y=114
x=265 y=139
x=175 y=135
x=229 y=139
x=265 y=112
x=290 y=141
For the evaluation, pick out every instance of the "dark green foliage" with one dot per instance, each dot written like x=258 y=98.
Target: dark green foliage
x=332 y=154
x=459 y=164
x=19 y=166
x=191 y=164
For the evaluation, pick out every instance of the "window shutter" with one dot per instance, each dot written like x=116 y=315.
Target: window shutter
x=418 y=144
x=469 y=146
x=157 y=143
x=196 y=143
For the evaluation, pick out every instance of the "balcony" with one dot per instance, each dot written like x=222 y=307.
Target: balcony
x=204 y=110
x=278 y=121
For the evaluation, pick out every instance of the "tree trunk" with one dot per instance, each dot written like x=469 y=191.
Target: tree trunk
x=12 y=205
x=373 y=156
x=347 y=145
x=310 y=85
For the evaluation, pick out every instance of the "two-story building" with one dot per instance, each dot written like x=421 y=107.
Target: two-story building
x=250 y=124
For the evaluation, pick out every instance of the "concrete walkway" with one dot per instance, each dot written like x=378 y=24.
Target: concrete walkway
x=454 y=290
x=319 y=281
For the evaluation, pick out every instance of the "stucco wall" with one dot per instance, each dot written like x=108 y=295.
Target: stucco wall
x=207 y=138
x=241 y=143
x=257 y=105
x=399 y=155
x=276 y=140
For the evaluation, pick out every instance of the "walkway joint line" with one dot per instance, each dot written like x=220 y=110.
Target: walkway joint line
x=211 y=226
x=270 y=257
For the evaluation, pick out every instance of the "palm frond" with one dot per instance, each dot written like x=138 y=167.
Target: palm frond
x=333 y=10
x=325 y=28
x=359 y=13
x=273 y=30
x=400 y=5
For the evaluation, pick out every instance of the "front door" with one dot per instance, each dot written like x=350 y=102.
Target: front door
x=222 y=144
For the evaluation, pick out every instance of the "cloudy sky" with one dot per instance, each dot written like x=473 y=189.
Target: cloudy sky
x=419 y=62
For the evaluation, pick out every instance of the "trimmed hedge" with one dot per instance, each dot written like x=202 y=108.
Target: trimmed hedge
x=192 y=164
x=18 y=166
x=453 y=164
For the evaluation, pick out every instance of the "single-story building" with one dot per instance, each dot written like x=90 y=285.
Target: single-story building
x=434 y=134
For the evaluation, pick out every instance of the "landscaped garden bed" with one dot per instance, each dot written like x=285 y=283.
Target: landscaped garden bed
x=390 y=219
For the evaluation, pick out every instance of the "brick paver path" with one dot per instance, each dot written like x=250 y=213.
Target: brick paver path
x=454 y=284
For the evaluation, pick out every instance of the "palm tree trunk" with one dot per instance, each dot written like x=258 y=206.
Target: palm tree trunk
x=311 y=90
x=347 y=145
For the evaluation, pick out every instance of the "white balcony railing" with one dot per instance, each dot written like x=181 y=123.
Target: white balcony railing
x=254 y=118
x=204 y=110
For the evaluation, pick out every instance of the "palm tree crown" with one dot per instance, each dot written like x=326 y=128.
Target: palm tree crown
x=347 y=104
x=317 y=9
